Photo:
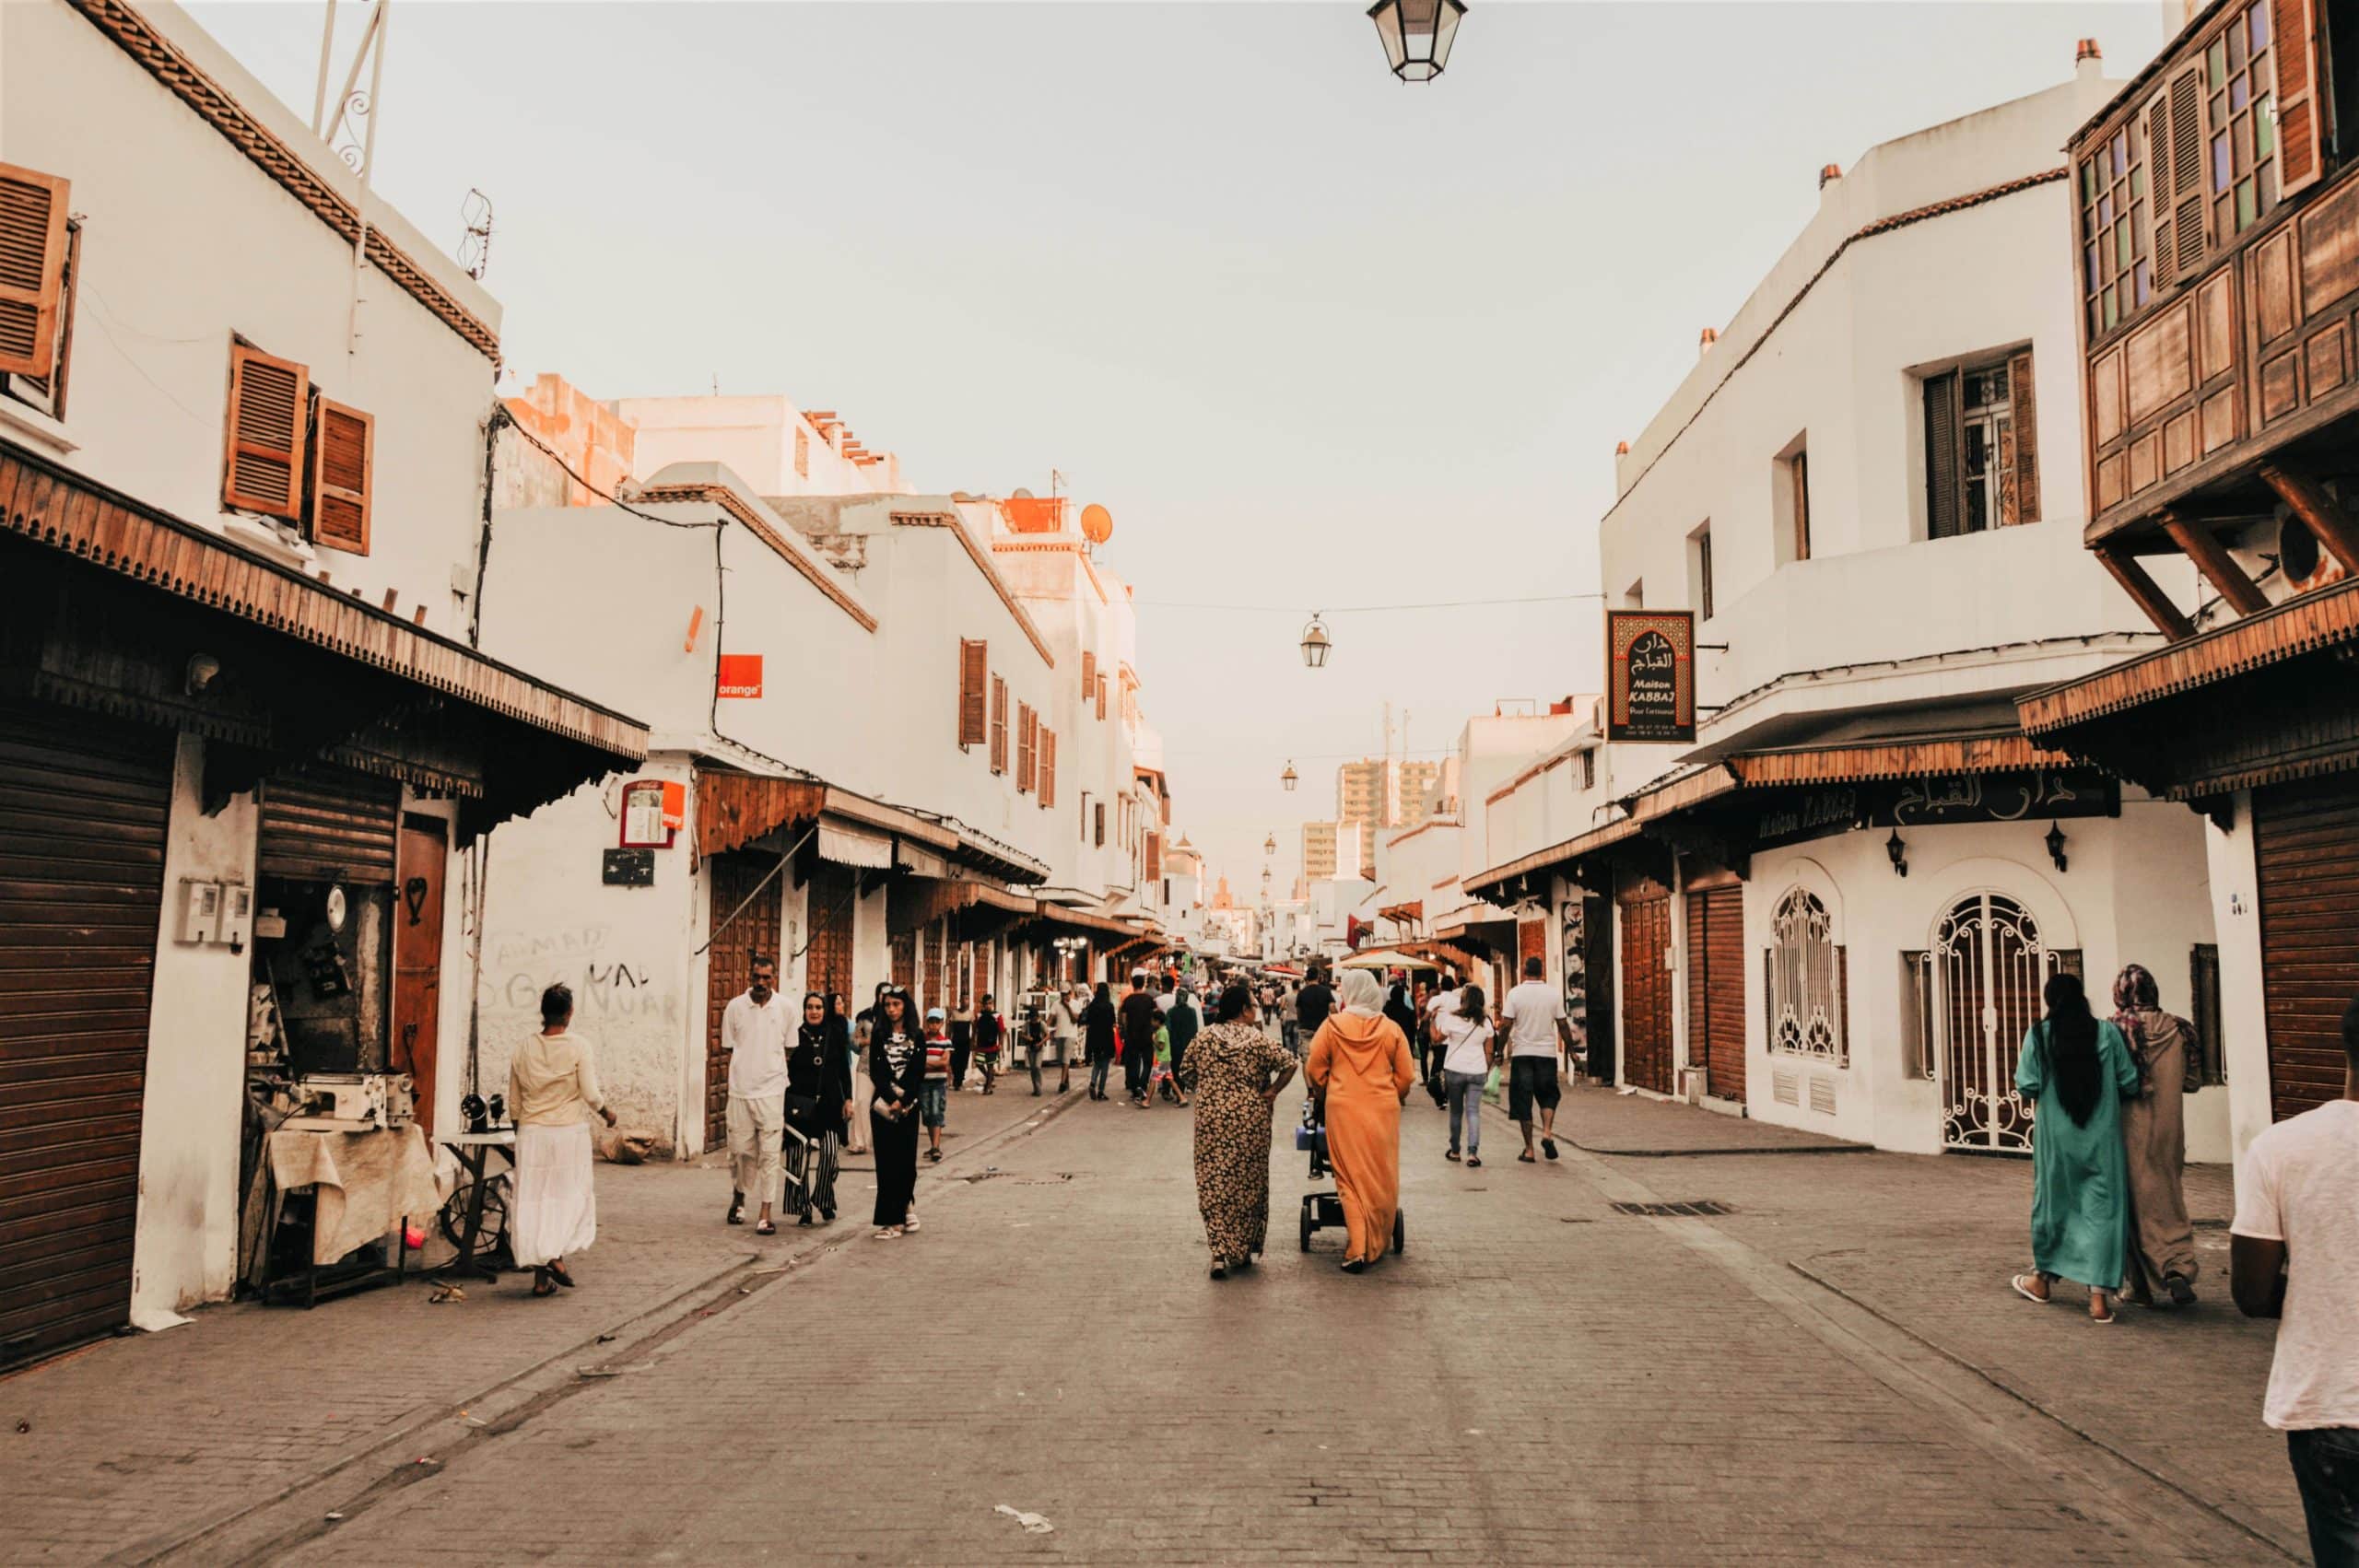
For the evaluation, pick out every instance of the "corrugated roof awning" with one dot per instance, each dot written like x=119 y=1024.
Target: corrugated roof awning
x=2311 y=623
x=78 y=517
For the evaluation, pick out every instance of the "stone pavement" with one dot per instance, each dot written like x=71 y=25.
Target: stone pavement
x=1542 y=1377
x=131 y=1446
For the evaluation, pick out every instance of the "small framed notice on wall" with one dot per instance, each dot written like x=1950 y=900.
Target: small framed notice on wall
x=653 y=813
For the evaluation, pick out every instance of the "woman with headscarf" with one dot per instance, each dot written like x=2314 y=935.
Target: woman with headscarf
x=2153 y=1137
x=1234 y=1071
x=1405 y=1016
x=1360 y=1059
x=2076 y=1071
x=896 y=1066
x=818 y=1106
x=1098 y=1025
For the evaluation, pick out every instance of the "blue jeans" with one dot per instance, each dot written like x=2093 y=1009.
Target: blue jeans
x=2326 y=1469
x=1465 y=1092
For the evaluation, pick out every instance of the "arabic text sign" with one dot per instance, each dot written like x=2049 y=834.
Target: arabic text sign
x=1650 y=671
x=1934 y=799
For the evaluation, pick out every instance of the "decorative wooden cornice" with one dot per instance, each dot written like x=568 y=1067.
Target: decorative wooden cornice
x=761 y=528
x=163 y=59
x=982 y=564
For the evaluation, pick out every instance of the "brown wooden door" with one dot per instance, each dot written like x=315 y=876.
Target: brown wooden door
x=83 y=811
x=418 y=956
x=1716 y=987
x=729 y=967
x=1646 y=988
x=827 y=910
x=2306 y=841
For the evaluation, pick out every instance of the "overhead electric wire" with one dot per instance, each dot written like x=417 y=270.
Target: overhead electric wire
x=1364 y=609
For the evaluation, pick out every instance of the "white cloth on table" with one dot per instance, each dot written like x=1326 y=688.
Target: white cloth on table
x=556 y=1209
x=757 y=1130
x=364 y=1184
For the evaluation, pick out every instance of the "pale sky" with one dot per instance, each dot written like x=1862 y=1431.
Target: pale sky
x=1316 y=337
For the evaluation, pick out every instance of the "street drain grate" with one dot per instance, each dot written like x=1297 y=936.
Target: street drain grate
x=1696 y=1210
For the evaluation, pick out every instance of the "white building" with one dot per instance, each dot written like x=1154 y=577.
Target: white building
x=1869 y=492
x=237 y=572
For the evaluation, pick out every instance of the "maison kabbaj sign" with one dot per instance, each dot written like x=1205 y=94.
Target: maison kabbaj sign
x=1933 y=801
x=1650 y=673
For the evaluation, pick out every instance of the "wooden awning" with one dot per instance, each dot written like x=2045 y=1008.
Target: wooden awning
x=1888 y=759
x=2311 y=623
x=78 y=517
x=921 y=902
x=1572 y=848
x=1408 y=910
x=735 y=809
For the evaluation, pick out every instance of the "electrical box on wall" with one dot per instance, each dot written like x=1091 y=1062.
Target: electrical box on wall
x=200 y=910
x=236 y=916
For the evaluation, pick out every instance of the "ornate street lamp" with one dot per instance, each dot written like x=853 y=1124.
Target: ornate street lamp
x=1316 y=644
x=1416 y=35
x=1289 y=777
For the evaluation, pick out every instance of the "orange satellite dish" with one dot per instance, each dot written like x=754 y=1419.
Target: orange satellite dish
x=1097 y=524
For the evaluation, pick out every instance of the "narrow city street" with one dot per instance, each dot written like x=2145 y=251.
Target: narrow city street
x=1831 y=1371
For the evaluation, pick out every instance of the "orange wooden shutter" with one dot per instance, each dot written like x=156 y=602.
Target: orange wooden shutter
x=32 y=268
x=1101 y=697
x=999 y=725
x=1048 y=769
x=267 y=398
x=344 y=451
x=974 y=670
x=1089 y=674
x=1027 y=754
x=2023 y=423
x=2190 y=228
x=2158 y=167
x=2294 y=26
x=1155 y=857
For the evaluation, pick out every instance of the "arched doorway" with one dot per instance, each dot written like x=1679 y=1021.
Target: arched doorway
x=1989 y=966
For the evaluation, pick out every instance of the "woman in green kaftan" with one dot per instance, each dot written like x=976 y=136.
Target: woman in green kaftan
x=2074 y=1072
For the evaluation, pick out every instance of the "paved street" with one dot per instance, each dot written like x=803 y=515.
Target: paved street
x=1833 y=1371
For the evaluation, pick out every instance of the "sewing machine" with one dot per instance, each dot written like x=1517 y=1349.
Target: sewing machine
x=351 y=1102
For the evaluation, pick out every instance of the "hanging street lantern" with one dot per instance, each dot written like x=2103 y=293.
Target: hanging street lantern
x=1270 y=844
x=1316 y=644
x=1289 y=777
x=1416 y=35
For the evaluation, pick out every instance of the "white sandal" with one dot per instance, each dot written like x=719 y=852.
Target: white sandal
x=888 y=1233
x=2024 y=1290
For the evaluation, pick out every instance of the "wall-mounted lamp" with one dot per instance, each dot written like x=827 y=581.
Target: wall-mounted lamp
x=1899 y=853
x=202 y=671
x=2056 y=845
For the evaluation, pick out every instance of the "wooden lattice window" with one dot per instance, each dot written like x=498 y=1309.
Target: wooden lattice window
x=2117 y=273
x=2240 y=88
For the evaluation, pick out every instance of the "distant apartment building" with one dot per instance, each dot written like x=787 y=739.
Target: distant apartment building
x=1384 y=791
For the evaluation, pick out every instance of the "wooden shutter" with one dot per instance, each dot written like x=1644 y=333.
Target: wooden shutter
x=1155 y=857
x=999 y=725
x=2305 y=853
x=1944 y=439
x=343 y=455
x=2301 y=132
x=1802 y=505
x=2188 y=218
x=1101 y=697
x=2024 y=426
x=32 y=268
x=1048 y=769
x=1089 y=674
x=1026 y=734
x=974 y=673
x=2158 y=172
x=267 y=400
x=1101 y=824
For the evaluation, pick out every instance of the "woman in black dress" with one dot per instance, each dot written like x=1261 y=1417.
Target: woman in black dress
x=896 y=1066
x=818 y=1104
x=1098 y=1022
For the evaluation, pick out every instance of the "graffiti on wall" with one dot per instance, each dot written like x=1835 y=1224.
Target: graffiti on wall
x=628 y=1008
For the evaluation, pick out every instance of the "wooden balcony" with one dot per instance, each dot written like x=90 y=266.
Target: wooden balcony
x=2216 y=251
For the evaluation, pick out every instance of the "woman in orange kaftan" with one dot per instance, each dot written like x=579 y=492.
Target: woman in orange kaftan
x=1361 y=1060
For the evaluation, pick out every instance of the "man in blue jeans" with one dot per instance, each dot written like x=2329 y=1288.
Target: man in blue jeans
x=2293 y=1255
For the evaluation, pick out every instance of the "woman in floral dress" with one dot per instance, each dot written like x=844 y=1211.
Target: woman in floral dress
x=1235 y=1071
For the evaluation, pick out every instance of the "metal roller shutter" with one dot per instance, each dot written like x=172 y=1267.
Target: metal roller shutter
x=2306 y=841
x=83 y=810
x=330 y=824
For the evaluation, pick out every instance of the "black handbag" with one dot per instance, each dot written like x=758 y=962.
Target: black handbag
x=802 y=1114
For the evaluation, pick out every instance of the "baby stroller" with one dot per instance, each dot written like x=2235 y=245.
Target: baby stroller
x=1322 y=1211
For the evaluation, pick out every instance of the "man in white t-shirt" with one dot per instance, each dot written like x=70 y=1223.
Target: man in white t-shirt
x=2293 y=1255
x=1537 y=1033
x=755 y=1028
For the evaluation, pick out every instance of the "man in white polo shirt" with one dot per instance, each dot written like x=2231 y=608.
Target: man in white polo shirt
x=2293 y=1255
x=754 y=1029
x=1536 y=1034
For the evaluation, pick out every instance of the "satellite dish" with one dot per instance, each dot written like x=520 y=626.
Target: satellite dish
x=1097 y=524
x=1021 y=495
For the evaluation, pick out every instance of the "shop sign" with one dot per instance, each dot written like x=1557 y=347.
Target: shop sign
x=1796 y=816
x=653 y=811
x=740 y=675
x=1650 y=671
